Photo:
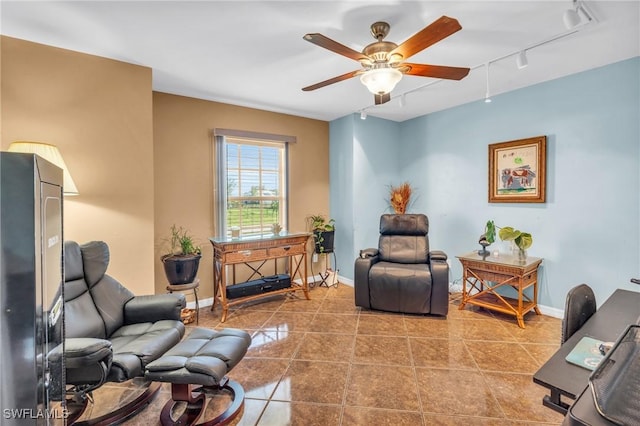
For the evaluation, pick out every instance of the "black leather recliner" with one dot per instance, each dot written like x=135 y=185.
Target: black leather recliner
x=111 y=335
x=402 y=274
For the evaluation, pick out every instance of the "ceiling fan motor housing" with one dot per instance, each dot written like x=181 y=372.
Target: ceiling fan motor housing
x=379 y=30
x=379 y=51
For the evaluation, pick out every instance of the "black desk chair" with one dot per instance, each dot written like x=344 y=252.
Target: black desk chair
x=578 y=308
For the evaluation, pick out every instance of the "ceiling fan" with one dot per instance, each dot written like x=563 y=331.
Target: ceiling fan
x=382 y=61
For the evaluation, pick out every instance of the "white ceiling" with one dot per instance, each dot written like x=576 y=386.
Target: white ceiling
x=252 y=53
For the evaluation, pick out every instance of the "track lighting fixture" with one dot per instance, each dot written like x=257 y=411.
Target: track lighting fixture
x=363 y=115
x=573 y=17
x=487 y=97
x=521 y=60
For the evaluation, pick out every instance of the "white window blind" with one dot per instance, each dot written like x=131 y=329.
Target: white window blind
x=251 y=170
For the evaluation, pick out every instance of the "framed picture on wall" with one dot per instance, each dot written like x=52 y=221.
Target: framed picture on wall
x=517 y=171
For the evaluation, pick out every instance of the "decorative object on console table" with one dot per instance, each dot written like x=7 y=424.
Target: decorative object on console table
x=181 y=263
x=522 y=240
x=517 y=171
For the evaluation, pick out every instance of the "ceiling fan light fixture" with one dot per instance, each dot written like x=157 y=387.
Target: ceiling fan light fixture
x=381 y=81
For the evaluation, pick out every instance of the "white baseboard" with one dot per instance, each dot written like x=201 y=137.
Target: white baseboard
x=552 y=312
x=344 y=280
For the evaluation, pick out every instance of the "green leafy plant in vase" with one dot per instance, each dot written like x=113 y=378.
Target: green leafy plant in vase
x=522 y=240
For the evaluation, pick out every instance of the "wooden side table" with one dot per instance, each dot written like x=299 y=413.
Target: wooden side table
x=248 y=249
x=483 y=275
x=185 y=287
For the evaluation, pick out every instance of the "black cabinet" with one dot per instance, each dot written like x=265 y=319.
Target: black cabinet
x=31 y=299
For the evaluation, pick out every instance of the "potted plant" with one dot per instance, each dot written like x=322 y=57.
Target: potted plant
x=181 y=263
x=323 y=233
x=522 y=240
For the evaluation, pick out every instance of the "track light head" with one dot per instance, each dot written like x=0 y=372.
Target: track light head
x=571 y=18
x=521 y=60
x=363 y=115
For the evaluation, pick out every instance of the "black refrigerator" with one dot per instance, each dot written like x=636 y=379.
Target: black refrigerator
x=31 y=272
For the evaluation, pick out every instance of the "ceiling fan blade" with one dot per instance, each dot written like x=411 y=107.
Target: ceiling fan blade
x=334 y=46
x=440 y=29
x=332 y=80
x=436 y=71
x=381 y=99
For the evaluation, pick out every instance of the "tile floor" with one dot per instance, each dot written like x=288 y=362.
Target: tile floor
x=326 y=362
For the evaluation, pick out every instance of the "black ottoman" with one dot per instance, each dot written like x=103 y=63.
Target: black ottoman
x=203 y=358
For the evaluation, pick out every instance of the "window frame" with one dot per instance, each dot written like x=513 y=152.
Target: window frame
x=222 y=140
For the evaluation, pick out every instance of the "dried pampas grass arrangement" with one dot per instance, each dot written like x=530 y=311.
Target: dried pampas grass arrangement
x=399 y=197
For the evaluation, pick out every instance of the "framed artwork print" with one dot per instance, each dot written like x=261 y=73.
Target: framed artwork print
x=517 y=171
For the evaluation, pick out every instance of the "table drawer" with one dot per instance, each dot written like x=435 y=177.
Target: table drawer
x=245 y=256
x=286 y=250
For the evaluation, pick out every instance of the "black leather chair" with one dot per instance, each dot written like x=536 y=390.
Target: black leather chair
x=111 y=335
x=579 y=306
x=402 y=274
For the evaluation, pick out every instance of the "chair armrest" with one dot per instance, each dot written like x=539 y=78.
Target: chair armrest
x=440 y=282
x=361 y=277
x=87 y=362
x=368 y=252
x=437 y=255
x=154 y=308
x=82 y=352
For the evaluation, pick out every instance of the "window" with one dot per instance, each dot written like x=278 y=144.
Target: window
x=252 y=184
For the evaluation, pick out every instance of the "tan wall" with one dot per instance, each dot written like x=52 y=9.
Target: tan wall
x=183 y=159
x=99 y=113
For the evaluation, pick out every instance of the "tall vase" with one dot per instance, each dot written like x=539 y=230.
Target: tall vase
x=522 y=255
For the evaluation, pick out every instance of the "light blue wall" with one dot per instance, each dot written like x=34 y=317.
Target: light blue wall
x=364 y=161
x=589 y=228
x=341 y=198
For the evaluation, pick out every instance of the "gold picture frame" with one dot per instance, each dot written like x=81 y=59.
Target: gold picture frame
x=517 y=171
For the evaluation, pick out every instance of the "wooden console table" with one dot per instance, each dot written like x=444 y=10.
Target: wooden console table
x=244 y=250
x=485 y=274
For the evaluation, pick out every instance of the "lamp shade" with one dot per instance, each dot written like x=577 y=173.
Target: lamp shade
x=381 y=81
x=51 y=154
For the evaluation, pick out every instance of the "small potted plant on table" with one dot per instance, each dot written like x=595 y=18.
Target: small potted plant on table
x=181 y=264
